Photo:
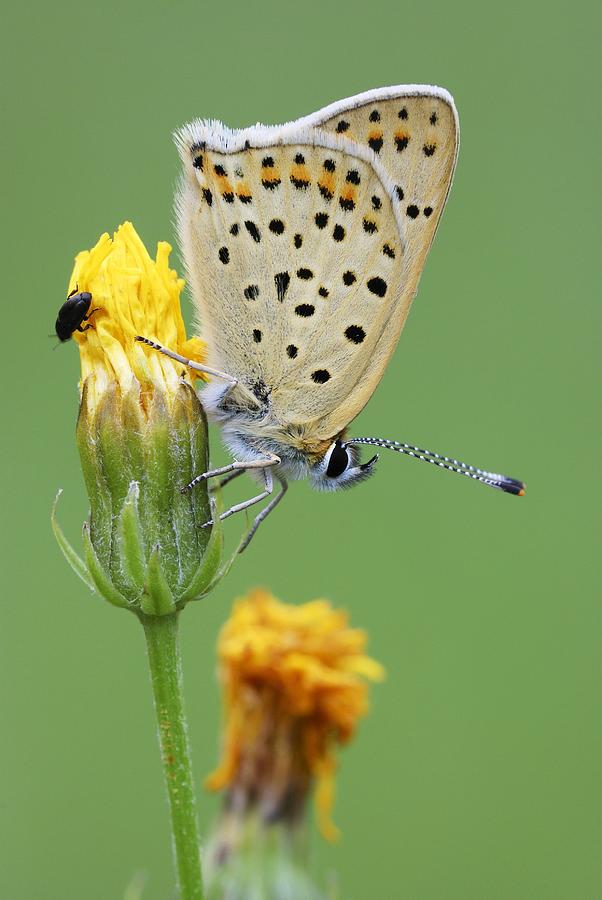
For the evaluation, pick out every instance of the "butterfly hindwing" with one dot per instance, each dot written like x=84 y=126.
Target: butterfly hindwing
x=294 y=250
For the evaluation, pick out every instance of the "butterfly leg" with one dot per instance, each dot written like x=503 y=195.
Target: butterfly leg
x=187 y=362
x=238 y=507
x=227 y=480
x=270 y=460
x=265 y=513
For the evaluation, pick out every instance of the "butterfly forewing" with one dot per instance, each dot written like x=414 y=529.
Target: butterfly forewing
x=414 y=133
x=296 y=259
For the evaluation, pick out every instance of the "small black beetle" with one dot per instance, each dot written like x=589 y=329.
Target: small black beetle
x=73 y=313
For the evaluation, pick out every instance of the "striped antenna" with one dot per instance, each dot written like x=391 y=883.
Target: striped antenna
x=493 y=479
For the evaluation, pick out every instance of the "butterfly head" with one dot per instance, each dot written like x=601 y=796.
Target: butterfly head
x=340 y=467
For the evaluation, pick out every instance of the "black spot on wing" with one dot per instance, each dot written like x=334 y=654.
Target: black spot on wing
x=253 y=231
x=305 y=310
x=320 y=376
x=300 y=183
x=224 y=255
x=276 y=226
x=377 y=286
x=208 y=196
x=355 y=334
x=282 y=281
x=291 y=351
x=251 y=292
x=321 y=219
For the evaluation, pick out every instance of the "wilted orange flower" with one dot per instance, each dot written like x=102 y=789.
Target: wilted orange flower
x=294 y=689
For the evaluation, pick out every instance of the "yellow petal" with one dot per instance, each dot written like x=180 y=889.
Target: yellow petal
x=132 y=294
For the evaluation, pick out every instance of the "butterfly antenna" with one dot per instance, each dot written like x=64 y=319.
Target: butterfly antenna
x=493 y=479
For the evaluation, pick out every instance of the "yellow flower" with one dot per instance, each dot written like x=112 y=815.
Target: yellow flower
x=141 y=434
x=131 y=294
x=294 y=688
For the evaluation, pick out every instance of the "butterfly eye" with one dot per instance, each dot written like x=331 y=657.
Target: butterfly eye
x=338 y=462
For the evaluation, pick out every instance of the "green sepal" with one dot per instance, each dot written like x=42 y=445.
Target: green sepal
x=100 y=578
x=189 y=510
x=158 y=599
x=204 y=575
x=110 y=445
x=75 y=561
x=101 y=504
x=129 y=537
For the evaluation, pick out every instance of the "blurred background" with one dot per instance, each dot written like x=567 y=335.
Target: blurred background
x=477 y=773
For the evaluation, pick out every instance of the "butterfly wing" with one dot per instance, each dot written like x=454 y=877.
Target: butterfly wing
x=414 y=132
x=292 y=240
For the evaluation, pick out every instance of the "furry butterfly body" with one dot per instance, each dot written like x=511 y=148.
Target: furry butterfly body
x=304 y=245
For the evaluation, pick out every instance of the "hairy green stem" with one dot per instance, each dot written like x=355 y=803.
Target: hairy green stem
x=166 y=676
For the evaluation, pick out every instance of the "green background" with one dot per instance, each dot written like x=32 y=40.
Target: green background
x=477 y=774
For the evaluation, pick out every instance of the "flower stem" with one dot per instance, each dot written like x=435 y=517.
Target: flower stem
x=166 y=676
